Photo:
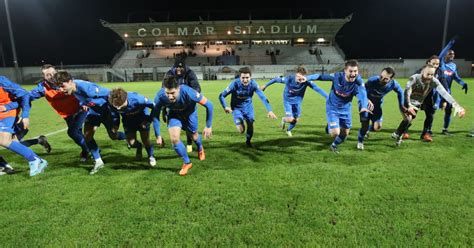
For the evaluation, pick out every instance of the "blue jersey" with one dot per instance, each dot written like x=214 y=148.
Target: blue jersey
x=136 y=105
x=16 y=94
x=449 y=69
x=242 y=95
x=376 y=91
x=294 y=91
x=342 y=91
x=90 y=94
x=182 y=108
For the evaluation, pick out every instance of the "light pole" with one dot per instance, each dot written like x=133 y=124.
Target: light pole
x=446 y=19
x=12 y=41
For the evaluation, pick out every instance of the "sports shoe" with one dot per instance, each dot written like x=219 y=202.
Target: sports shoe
x=399 y=141
x=248 y=143
x=83 y=156
x=405 y=136
x=366 y=136
x=289 y=134
x=139 y=152
x=42 y=166
x=99 y=164
x=185 y=168
x=6 y=169
x=43 y=141
x=34 y=167
x=360 y=146
x=333 y=149
x=427 y=137
x=201 y=154
x=446 y=132
x=395 y=135
x=189 y=148
x=152 y=161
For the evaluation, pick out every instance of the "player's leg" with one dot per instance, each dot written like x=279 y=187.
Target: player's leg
x=288 y=114
x=192 y=126
x=189 y=139
x=36 y=164
x=131 y=125
x=429 y=114
x=145 y=137
x=345 y=124
x=249 y=118
x=91 y=124
x=403 y=128
x=174 y=130
x=296 y=112
x=74 y=131
x=21 y=131
x=364 y=128
x=447 y=118
x=238 y=120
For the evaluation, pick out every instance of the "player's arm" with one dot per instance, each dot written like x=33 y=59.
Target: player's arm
x=265 y=102
x=281 y=80
x=203 y=101
x=223 y=95
x=458 y=79
x=449 y=98
x=155 y=115
x=22 y=97
x=398 y=89
x=326 y=77
x=37 y=92
x=9 y=106
x=312 y=77
x=445 y=50
x=318 y=90
x=362 y=96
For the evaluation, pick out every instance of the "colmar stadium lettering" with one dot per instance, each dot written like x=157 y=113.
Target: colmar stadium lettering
x=235 y=30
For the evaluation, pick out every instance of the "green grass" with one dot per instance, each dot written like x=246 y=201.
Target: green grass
x=285 y=192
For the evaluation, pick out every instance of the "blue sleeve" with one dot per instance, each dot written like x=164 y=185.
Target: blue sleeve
x=318 y=90
x=11 y=105
x=209 y=112
x=37 y=92
x=362 y=95
x=443 y=52
x=155 y=114
x=21 y=96
x=326 y=77
x=263 y=98
x=400 y=96
x=458 y=79
x=280 y=80
x=145 y=102
x=225 y=93
x=312 y=77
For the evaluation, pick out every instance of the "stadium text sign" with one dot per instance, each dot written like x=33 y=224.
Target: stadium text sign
x=236 y=30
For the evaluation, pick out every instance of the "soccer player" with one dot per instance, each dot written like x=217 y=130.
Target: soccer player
x=377 y=87
x=417 y=89
x=131 y=107
x=241 y=106
x=345 y=85
x=8 y=89
x=67 y=106
x=93 y=98
x=450 y=71
x=184 y=75
x=180 y=100
x=293 y=94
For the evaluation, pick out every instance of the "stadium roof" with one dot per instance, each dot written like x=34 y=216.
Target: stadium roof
x=148 y=34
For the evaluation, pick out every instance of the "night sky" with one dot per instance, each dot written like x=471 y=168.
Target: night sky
x=68 y=31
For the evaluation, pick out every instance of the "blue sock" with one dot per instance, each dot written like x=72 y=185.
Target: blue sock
x=149 y=151
x=198 y=142
x=339 y=139
x=94 y=149
x=181 y=151
x=249 y=133
x=360 y=136
x=22 y=150
x=120 y=135
x=291 y=126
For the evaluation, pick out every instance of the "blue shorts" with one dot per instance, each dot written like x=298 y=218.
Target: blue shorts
x=338 y=118
x=292 y=109
x=376 y=115
x=188 y=124
x=102 y=115
x=133 y=123
x=243 y=114
x=7 y=125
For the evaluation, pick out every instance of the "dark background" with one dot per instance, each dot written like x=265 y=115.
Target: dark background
x=69 y=31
